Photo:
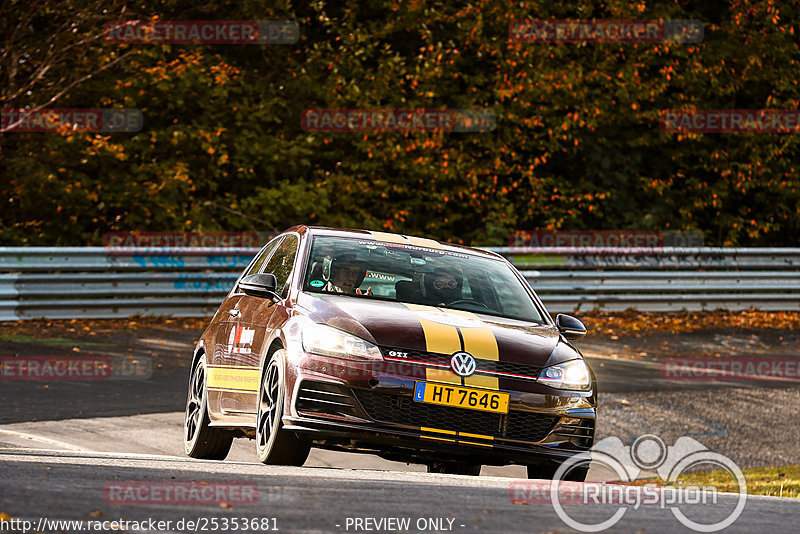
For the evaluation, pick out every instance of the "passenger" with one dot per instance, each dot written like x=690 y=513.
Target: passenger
x=345 y=275
x=443 y=286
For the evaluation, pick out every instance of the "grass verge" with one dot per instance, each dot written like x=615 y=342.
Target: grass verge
x=781 y=481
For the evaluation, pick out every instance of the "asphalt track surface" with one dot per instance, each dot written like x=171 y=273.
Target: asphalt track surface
x=65 y=446
x=70 y=485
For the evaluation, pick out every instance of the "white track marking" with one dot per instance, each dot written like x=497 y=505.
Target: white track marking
x=42 y=439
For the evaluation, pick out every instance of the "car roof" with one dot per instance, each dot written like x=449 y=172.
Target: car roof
x=387 y=237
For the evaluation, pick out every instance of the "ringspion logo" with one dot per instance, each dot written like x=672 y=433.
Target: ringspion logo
x=646 y=454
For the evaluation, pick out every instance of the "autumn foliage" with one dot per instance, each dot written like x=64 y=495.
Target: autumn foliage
x=577 y=143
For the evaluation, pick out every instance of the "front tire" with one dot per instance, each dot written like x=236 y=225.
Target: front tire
x=199 y=439
x=274 y=445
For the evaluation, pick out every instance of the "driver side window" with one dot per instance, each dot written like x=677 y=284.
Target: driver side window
x=261 y=257
x=281 y=263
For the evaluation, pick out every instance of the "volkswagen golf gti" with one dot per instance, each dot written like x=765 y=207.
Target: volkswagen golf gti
x=400 y=346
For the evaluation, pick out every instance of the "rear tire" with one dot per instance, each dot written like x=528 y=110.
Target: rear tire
x=199 y=439
x=274 y=445
x=453 y=468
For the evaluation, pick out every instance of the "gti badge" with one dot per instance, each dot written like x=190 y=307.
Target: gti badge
x=462 y=363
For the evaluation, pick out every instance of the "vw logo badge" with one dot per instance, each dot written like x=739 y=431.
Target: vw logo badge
x=462 y=363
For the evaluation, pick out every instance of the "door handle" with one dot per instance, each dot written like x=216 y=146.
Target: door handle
x=234 y=313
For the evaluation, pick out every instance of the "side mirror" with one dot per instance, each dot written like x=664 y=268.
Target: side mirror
x=260 y=285
x=569 y=326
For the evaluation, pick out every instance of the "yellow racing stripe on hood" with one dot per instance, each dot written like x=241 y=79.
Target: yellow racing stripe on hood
x=444 y=339
x=481 y=343
x=442 y=375
x=441 y=339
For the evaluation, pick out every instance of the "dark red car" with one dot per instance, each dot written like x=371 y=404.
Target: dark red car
x=399 y=346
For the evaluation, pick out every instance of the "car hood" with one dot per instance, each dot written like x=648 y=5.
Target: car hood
x=409 y=327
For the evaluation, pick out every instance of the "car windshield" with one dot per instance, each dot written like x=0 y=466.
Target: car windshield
x=412 y=274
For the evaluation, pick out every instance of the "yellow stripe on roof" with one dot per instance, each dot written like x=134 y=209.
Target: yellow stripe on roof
x=423 y=242
x=389 y=238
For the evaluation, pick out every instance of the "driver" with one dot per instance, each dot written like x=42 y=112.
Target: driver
x=443 y=286
x=346 y=275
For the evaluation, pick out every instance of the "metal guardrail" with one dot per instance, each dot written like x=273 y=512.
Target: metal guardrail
x=98 y=282
x=662 y=279
x=64 y=259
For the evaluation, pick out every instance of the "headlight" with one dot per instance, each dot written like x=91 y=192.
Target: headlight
x=568 y=375
x=327 y=341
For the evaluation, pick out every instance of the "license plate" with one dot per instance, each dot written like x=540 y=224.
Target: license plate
x=472 y=399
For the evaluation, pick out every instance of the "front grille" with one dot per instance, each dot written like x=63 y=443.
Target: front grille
x=524 y=426
x=529 y=426
x=489 y=366
x=324 y=397
x=508 y=367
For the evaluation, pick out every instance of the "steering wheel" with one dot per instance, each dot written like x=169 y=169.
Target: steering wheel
x=473 y=301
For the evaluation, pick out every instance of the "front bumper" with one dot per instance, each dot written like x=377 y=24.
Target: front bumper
x=374 y=411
